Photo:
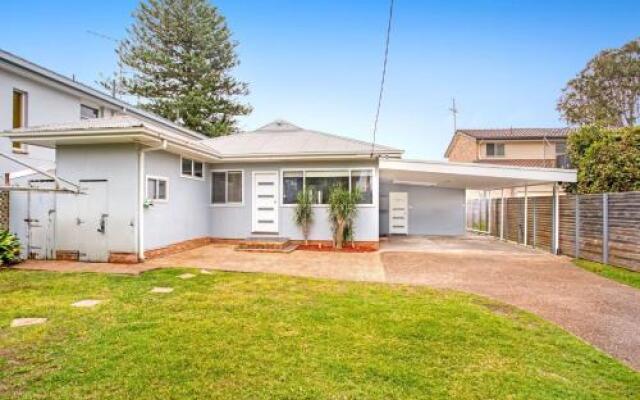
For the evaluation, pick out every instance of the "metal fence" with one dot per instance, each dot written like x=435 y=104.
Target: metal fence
x=599 y=227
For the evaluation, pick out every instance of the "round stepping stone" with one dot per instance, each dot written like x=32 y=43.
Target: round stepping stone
x=161 y=290
x=206 y=272
x=88 y=303
x=18 y=322
x=186 y=276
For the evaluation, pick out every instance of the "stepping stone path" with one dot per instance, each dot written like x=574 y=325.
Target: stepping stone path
x=18 y=322
x=206 y=272
x=86 y=303
x=161 y=290
x=186 y=276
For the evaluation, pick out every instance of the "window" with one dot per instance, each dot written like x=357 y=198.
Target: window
x=495 y=149
x=320 y=182
x=226 y=187
x=562 y=160
x=157 y=188
x=87 y=112
x=292 y=184
x=19 y=117
x=192 y=168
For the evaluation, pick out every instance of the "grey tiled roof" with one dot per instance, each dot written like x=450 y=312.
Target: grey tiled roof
x=284 y=138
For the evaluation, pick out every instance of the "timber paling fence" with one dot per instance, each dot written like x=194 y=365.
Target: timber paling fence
x=597 y=227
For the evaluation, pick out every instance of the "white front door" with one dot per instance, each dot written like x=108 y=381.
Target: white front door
x=398 y=213
x=93 y=221
x=264 y=211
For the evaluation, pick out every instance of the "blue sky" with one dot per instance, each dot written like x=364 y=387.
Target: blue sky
x=318 y=63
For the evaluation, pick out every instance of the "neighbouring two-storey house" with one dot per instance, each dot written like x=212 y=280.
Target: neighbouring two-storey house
x=524 y=147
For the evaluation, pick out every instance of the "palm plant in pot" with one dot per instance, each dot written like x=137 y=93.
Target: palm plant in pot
x=343 y=209
x=304 y=213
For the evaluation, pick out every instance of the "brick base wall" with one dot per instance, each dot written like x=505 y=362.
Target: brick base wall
x=178 y=247
x=67 y=255
x=123 y=258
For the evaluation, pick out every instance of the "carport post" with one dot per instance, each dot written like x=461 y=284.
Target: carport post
x=526 y=213
x=502 y=214
x=556 y=219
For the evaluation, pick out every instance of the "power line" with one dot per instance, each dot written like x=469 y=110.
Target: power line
x=384 y=73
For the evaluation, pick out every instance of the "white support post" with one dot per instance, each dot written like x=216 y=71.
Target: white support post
x=556 y=219
x=502 y=215
x=526 y=214
x=489 y=214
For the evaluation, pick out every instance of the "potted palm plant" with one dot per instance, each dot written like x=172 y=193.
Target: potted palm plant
x=304 y=213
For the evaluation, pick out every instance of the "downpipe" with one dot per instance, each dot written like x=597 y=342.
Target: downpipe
x=141 y=194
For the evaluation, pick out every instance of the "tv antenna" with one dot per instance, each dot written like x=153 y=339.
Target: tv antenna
x=454 y=112
x=118 y=77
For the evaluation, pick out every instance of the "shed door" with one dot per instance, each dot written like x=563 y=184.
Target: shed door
x=398 y=213
x=264 y=212
x=93 y=221
x=41 y=221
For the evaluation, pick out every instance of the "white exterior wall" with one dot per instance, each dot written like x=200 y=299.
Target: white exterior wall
x=184 y=215
x=235 y=221
x=45 y=105
x=432 y=210
x=118 y=164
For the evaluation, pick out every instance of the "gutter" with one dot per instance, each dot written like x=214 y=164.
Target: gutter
x=141 y=187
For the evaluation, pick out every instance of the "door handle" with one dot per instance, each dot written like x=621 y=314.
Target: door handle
x=103 y=223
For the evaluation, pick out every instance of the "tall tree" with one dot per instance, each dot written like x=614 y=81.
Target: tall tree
x=181 y=55
x=607 y=90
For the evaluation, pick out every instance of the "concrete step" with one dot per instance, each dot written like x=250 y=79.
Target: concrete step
x=264 y=243
x=252 y=249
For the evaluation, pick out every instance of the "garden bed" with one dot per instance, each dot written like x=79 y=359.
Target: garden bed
x=358 y=248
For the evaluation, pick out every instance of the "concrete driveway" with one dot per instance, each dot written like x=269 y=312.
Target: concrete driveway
x=599 y=310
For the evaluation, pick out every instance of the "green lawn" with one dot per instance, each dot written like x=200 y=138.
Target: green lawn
x=253 y=336
x=621 y=275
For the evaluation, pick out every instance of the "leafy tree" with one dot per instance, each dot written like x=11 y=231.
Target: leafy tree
x=608 y=160
x=607 y=90
x=343 y=209
x=181 y=55
x=304 y=213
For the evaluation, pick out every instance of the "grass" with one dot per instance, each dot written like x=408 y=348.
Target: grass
x=621 y=275
x=253 y=336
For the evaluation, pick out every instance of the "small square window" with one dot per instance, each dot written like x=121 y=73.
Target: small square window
x=495 y=149
x=197 y=169
x=87 y=112
x=157 y=189
x=226 y=187
x=191 y=168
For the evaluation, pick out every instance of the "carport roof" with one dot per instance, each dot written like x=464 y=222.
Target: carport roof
x=469 y=176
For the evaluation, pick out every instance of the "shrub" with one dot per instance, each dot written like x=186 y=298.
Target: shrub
x=304 y=213
x=343 y=208
x=9 y=248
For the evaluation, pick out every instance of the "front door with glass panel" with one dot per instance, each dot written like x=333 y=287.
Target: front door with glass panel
x=265 y=202
x=398 y=213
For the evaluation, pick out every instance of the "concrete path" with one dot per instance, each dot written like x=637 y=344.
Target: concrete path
x=599 y=310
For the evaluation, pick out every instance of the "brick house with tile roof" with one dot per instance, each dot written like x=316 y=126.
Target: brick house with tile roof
x=525 y=147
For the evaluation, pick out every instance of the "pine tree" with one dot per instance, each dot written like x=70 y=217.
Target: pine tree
x=181 y=54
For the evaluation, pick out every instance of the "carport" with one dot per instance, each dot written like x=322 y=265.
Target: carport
x=440 y=188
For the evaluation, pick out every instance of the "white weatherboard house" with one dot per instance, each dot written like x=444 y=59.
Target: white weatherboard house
x=146 y=184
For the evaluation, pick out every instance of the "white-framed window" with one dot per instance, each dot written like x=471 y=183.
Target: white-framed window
x=495 y=149
x=227 y=187
x=87 y=112
x=191 y=168
x=157 y=188
x=19 y=117
x=320 y=181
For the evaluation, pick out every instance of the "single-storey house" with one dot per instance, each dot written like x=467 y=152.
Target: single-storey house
x=145 y=187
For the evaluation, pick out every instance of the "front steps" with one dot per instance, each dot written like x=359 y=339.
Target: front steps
x=266 y=244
